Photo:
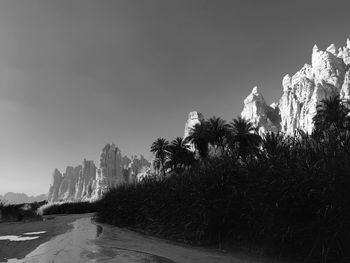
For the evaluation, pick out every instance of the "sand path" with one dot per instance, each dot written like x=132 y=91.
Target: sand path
x=88 y=241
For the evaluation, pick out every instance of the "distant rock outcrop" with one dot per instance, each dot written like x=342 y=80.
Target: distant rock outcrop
x=110 y=170
x=69 y=182
x=328 y=75
x=55 y=186
x=86 y=182
x=21 y=198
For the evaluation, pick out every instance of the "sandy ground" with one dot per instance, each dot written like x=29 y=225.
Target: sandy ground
x=53 y=225
x=114 y=238
x=77 y=238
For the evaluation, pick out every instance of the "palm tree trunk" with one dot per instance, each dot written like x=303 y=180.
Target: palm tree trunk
x=162 y=160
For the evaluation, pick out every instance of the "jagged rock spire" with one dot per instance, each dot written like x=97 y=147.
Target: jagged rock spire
x=327 y=75
x=262 y=116
x=332 y=49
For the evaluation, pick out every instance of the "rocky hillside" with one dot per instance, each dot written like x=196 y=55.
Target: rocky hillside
x=328 y=75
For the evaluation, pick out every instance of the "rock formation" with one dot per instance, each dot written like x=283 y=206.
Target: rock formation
x=63 y=187
x=266 y=118
x=86 y=182
x=69 y=181
x=328 y=75
x=110 y=170
x=55 y=185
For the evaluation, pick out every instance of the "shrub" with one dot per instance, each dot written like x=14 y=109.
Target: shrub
x=19 y=212
x=67 y=208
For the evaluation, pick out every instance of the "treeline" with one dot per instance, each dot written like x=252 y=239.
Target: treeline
x=20 y=212
x=289 y=195
x=80 y=207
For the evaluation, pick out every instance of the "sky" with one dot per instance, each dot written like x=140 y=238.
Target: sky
x=75 y=75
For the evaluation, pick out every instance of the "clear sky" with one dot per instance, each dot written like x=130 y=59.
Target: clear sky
x=75 y=75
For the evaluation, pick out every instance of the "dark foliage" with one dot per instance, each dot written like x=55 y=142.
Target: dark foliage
x=19 y=212
x=179 y=155
x=332 y=112
x=200 y=138
x=70 y=208
x=159 y=148
x=288 y=195
x=242 y=138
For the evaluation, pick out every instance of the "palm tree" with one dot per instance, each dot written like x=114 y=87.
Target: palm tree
x=159 y=148
x=199 y=137
x=156 y=165
x=243 y=137
x=274 y=145
x=331 y=112
x=217 y=129
x=179 y=153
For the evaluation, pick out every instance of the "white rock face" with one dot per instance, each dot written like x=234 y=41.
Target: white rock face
x=328 y=75
x=306 y=88
x=265 y=117
x=68 y=185
x=345 y=90
x=63 y=187
x=54 y=187
x=110 y=170
x=85 y=184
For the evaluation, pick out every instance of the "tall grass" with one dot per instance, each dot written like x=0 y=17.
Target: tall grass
x=291 y=199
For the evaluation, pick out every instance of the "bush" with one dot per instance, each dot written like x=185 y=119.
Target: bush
x=200 y=206
x=19 y=212
x=67 y=208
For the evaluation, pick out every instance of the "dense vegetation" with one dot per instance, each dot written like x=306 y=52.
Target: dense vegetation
x=289 y=195
x=19 y=212
x=68 y=208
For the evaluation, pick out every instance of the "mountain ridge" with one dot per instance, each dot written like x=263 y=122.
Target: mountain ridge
x=19 y=198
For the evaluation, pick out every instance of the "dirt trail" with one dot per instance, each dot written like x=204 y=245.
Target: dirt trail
x=93 y=242
x=53 y=225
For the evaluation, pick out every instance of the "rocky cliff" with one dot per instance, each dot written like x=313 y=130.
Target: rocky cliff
x=328 y=75
x=85 y=184
x=110 y=171
x=88 y=182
